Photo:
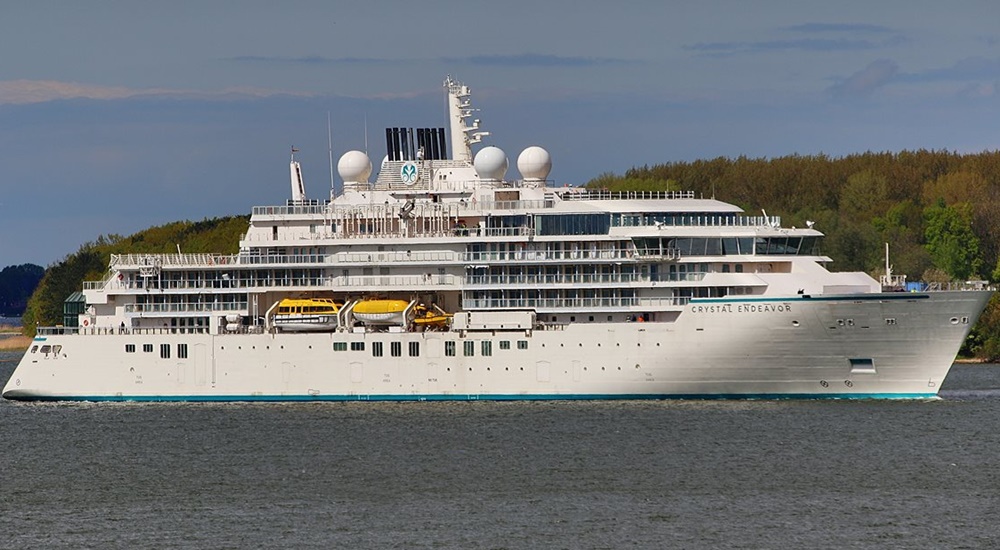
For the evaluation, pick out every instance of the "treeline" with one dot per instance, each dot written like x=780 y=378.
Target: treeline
x=938 y=210
x=17 y=282
x=90 y=262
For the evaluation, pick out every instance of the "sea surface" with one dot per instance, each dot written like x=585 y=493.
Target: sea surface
x=629 y=474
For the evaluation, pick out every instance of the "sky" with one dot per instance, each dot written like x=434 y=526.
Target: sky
x=116 y=116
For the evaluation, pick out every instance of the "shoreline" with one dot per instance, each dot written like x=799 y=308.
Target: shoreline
x=15 y=342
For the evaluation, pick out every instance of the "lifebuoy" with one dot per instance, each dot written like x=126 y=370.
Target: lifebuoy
x=86 y=322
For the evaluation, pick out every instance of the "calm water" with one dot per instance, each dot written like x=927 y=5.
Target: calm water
x=672 y=474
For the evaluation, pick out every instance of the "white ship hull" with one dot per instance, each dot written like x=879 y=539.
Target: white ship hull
x=840 y=347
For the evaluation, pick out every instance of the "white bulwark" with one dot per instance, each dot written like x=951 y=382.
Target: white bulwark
x=446 y=279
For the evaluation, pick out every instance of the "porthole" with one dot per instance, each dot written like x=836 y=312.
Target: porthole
x=795 y=323
x=954 y=320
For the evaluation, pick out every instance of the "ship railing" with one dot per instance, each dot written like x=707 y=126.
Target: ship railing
x=256 y=259
x=536 y=204
x=641 y=220
x=110 y=330
x=96 y=285
x=530 y=255
x=132 y=261
x=185 y=307
x=400 y=281
x=290 y=210
x=451 y=230
x=574 y=303
x=581 y=278
x=658 y=254
x=950 y=286
x=546 y=279
x=394 y=257
x=626 y=195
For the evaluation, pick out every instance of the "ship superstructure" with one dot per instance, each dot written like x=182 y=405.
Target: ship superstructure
x=444 y=279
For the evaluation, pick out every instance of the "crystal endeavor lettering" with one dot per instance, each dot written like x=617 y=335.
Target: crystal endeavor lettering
x=741 y=308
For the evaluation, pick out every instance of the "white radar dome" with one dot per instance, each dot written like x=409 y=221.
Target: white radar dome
x=534 y=163
x=354 y=166
x=491 y=163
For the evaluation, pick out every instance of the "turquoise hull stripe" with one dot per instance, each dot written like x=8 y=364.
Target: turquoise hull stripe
x=851 y=298
x=39 y=339
x=498 y=397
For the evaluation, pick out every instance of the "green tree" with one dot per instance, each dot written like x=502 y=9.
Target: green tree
x=951 y=242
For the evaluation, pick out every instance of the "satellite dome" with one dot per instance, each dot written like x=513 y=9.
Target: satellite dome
x=491 y=163
x=534 y=163
x=354 y=166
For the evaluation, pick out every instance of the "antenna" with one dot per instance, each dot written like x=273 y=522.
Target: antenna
x=295 y=171
x=366 y=133
x=329 y=139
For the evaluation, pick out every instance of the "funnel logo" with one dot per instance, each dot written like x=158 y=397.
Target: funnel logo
x=408 y=173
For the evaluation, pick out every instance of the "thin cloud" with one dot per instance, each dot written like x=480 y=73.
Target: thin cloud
x=23 y=92
x=851 y=39
x=518 y=60
x=315 y=60
x=801 y=44
x=864 y=82
x=839 y=27
x=534 y=60
x=964 y=70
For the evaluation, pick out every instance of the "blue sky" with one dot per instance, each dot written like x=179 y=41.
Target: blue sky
x=115 y=116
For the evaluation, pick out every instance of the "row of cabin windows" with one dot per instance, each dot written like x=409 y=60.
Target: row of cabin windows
x=182 y=350
x=396 y=348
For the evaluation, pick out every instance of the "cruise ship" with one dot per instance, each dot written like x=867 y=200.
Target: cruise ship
x=444 y=279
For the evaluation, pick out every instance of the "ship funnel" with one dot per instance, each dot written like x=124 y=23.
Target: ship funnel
x=295 y=171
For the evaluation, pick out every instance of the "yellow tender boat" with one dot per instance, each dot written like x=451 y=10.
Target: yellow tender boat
x=380 y=312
